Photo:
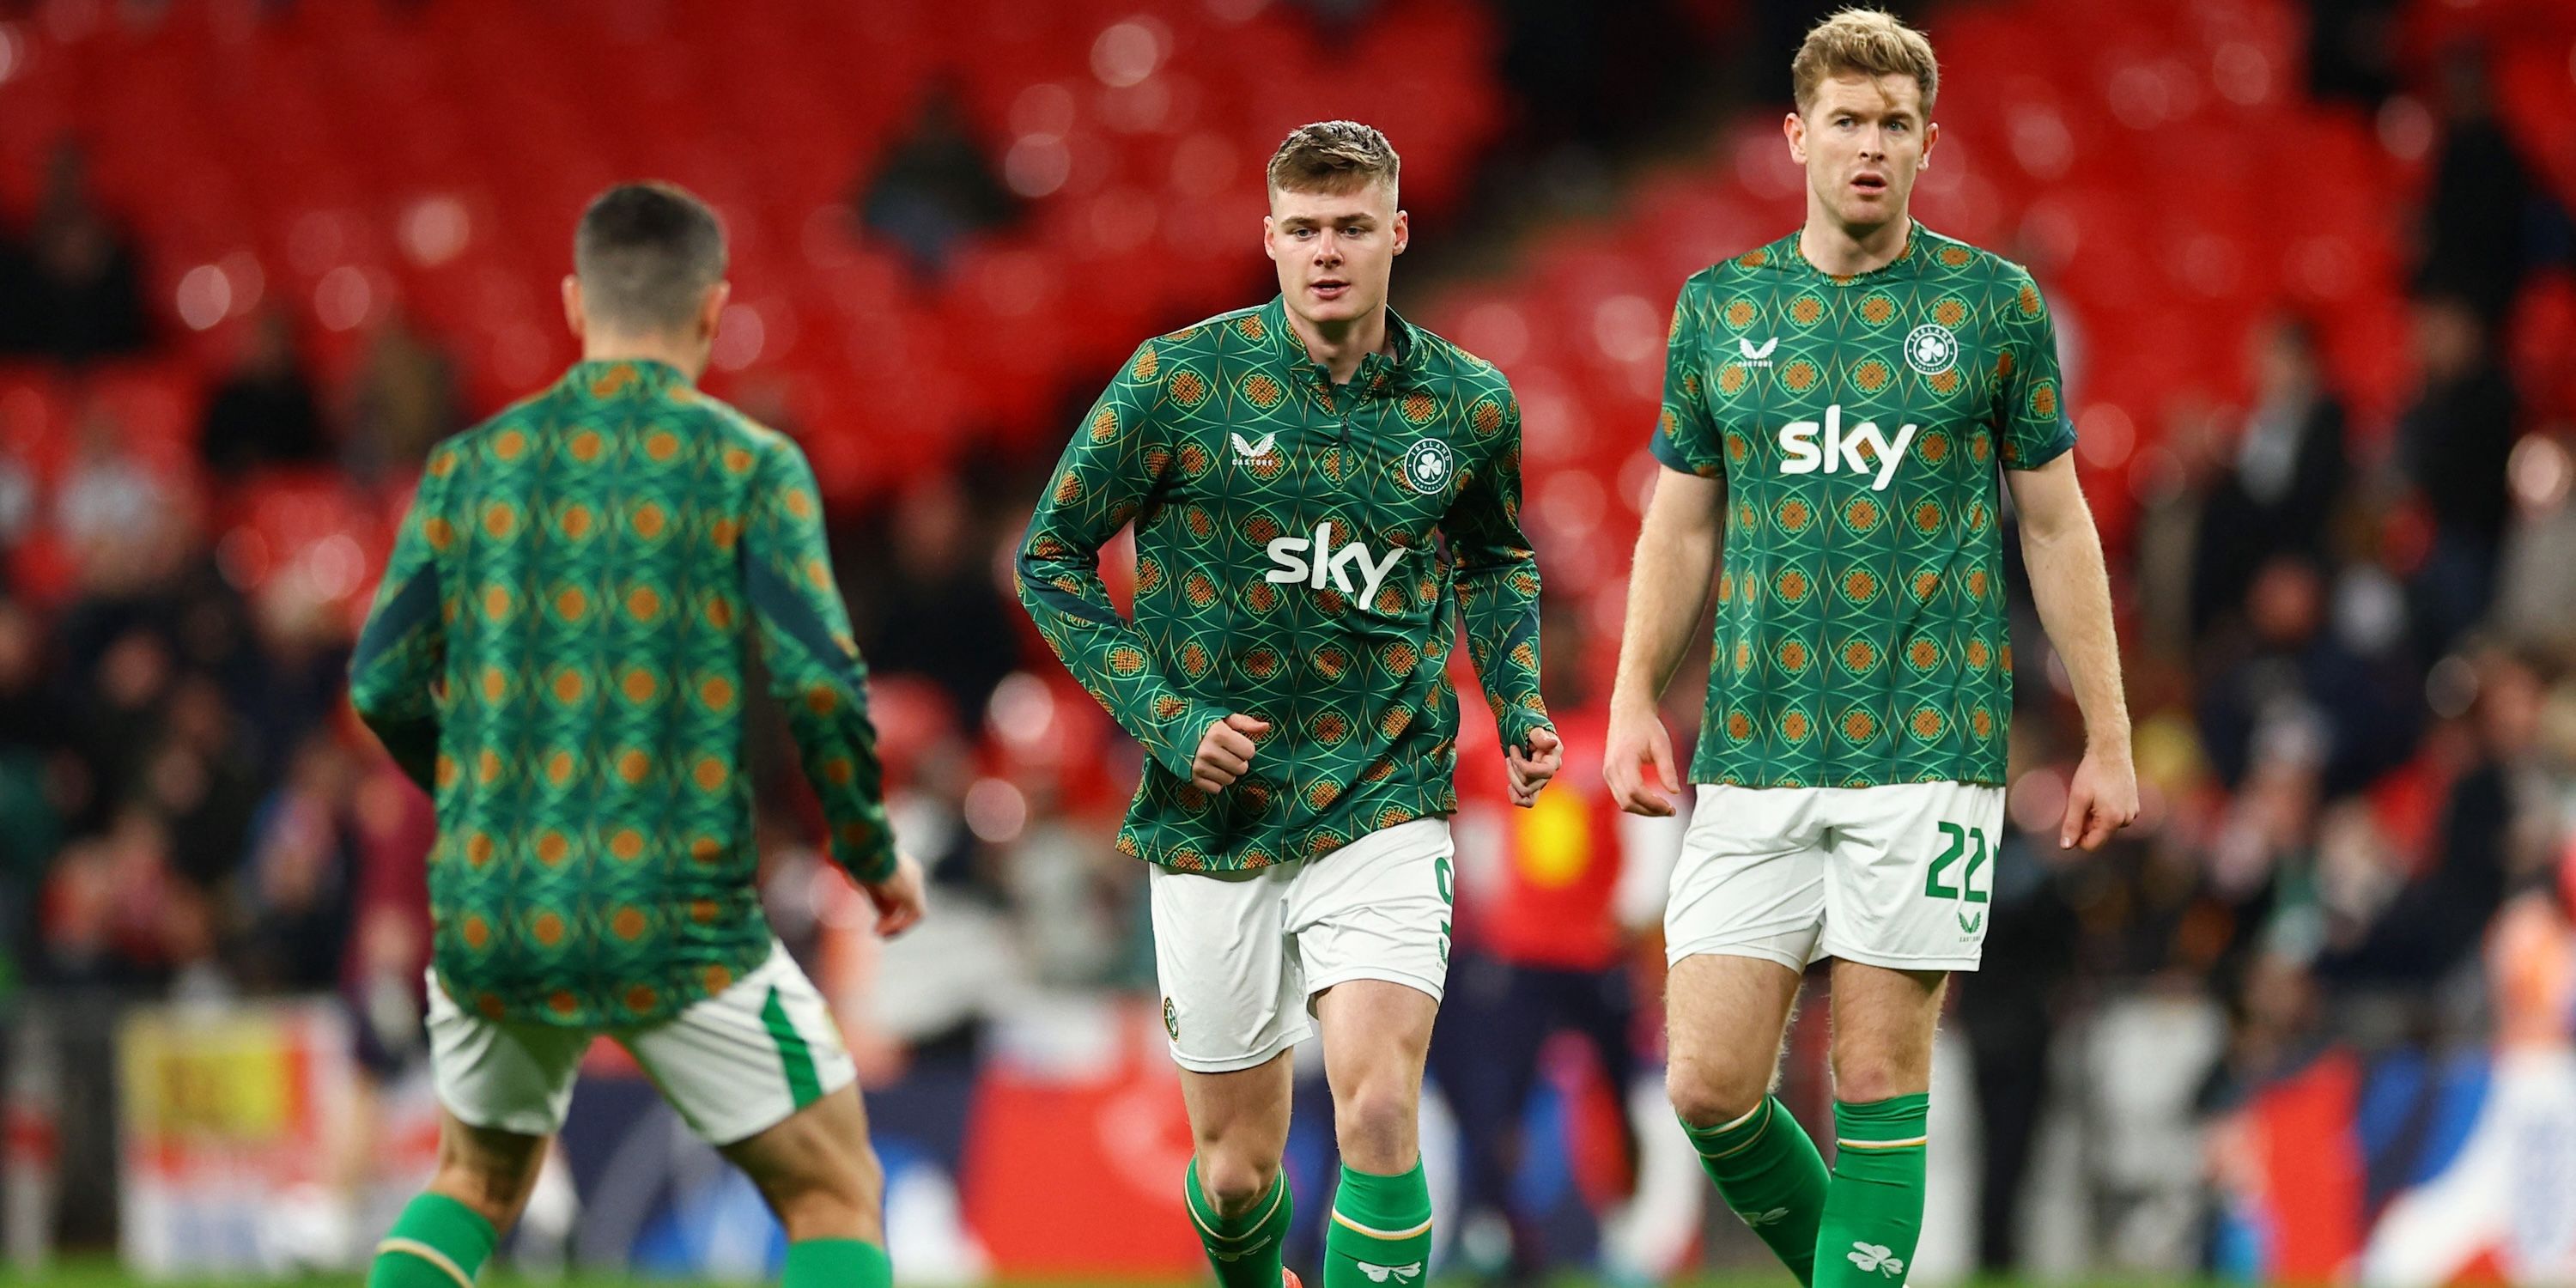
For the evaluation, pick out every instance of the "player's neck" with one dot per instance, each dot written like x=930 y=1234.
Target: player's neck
x=1846 y=251
x=690 y=359
x=1339 y=346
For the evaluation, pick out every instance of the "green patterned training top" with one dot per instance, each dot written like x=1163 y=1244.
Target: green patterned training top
x=1291 y=565
x=1858 y=422
x=556 y=653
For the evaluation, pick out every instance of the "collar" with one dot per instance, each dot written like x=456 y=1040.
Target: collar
x=1795 y=251
x=1379 y=372
x=622 y=377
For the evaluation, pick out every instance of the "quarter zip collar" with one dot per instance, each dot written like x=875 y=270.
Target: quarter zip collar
x=1379 y=374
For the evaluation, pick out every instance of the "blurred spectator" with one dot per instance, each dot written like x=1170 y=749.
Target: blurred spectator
x=934 y=606
x=22 y=320
x=935 y=189
x=2475 y=224
x=2535 y=579
x=106 y=498
x=263 y=412
x=2452 y=448
x=86 y=298
x=2177 y=476
x=2293 y=676
x=2288 y=472
x=298 y=889
x=1551 y=904
x=2430 y=920
x=401 y=401
x=2352 y=50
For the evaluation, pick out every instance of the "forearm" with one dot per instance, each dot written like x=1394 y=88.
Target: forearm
x=2072 y=590
x=1112 y=661
x=1668 y=588
x=836 y=743
x=1500 y=600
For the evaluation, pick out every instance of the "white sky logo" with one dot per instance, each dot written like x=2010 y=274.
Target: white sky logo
x=1315 y=562
x=1842 y=447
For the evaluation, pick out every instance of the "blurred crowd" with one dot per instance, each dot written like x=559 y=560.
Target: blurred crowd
x=2351 y=651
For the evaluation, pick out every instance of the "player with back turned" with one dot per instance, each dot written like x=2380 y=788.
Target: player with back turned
x=1836 y=407
x=1322 y=492
x=557 y=655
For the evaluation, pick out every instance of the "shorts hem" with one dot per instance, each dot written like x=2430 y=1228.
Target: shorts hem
x=1674 y=956
x=1268 y=1052
x=524 y=1123
x=735 y=1133
x=1384 y=974
x=1902 y=961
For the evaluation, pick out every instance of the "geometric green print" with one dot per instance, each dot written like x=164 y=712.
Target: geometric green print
x=1858 y=423
x=556 y=653
x=1305 y=553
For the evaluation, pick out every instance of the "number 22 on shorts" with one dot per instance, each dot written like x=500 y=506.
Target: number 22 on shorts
x=1970 y=842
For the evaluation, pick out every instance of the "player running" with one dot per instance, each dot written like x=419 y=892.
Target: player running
x=1837 y=403
x=556 y=654
x=1310 y=480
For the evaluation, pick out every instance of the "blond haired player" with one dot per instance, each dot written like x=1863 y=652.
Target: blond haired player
x=1323 y=494
x=1836 y=407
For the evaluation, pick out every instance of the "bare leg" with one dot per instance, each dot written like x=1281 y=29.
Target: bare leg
x=488 y=1170
x=1724 y=1019
x=1238 y=1130
x=1376 y=1035
x=818 y=1172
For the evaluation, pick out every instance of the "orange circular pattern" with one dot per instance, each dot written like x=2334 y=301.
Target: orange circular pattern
x=629 y=923
x=547 y=929
x=710 y=774
x=626 y=844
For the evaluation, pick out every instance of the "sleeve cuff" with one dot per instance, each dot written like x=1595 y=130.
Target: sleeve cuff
x=2054 y=446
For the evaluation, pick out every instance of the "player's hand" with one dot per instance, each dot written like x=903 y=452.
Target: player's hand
x=899 y=899
x=1637 y=739
x=1226 y=752
x=1533 y=771
x=2101 y=800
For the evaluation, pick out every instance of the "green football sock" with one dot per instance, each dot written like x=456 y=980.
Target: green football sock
x=1380 y=1235
x=437 y=1242
x=1770 y=1173
x=1874 y=1208
x=836 y=1263
x=1242 y=1249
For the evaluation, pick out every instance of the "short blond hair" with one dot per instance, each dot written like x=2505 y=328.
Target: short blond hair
x=1332 y=156
x=1869 y=41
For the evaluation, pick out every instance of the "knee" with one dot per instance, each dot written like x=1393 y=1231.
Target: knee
x=829 y=1203
x=1376 y=1124
x=1866 y=1073
x=491 y=1192
x=1709 y=1096
x=1232 y=1181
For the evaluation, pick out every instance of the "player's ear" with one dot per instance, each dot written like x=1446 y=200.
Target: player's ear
x=712 y=307
x=1403 y=228
x=1270 y=236
x=1931 y=135
x=1794 y=128
x=572 y=305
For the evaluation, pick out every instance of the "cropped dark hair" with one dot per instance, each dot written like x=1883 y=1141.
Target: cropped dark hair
x=646 y=254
